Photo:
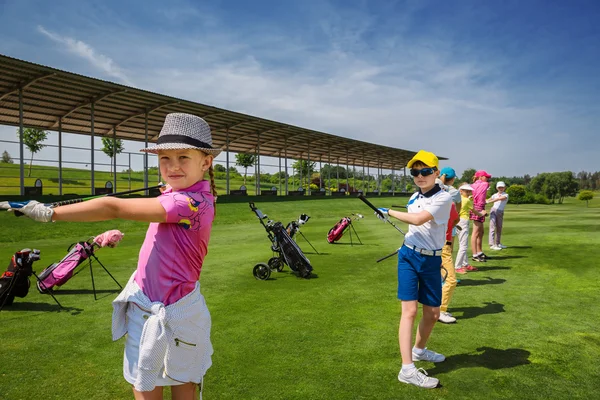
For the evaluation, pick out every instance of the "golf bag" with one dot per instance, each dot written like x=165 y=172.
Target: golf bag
x=338 y=230
x=286 y=250
x=14 y=282
x=341 y=227
x=59 y=273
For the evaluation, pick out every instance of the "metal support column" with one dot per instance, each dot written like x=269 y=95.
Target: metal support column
x=364 y=191
x=279 y=172
x=60 y=179
x=227 y=161
x=329 y=171
x=21 y=147
x=347 y=168
x=286 y=168
x=145 y=153
x=258 y=164
x=93 y=184
x=308 y=168
x=114 y=160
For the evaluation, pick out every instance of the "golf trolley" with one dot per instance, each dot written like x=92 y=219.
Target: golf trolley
x=345 y=224
x=285 y=250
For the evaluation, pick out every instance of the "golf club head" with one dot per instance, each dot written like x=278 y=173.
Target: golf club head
x=303 y=218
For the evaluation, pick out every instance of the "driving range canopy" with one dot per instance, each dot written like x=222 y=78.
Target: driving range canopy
x=57 y=100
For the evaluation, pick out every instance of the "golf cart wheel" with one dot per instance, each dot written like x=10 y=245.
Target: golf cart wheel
x=261 y=271
x=276 y=263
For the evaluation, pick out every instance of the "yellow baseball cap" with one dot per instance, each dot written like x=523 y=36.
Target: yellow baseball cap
x=426 y=158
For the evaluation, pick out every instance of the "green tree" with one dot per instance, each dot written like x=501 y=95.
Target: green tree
x=111 y=147
x=468 y=175
x=586 y=195
x=245 y=160
x=220 y=168
x=33 y=138
x=6 y=158
x=305 y=169
x=516 y=193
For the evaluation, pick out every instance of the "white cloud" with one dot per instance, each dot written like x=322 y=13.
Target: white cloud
x=85 y=51
x=349 y=74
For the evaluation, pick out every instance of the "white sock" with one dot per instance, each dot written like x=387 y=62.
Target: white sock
x=418 y=351
x=408 y=368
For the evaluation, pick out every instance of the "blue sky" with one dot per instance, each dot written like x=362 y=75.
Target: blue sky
x=512 y=87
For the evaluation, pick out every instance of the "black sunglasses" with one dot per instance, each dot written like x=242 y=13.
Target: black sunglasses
x=423 y=171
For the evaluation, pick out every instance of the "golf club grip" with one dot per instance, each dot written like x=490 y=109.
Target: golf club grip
x=367 y=202
x=65 y=202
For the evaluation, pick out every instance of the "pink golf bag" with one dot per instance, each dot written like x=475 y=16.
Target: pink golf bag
x=59 y=273
x=338 y=229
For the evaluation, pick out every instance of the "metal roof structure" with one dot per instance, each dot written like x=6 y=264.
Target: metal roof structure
x=53 y=99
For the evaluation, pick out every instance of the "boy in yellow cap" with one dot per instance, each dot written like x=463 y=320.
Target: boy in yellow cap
x=419 y=261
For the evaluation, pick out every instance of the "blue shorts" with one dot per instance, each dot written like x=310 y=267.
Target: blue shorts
x=419 y=277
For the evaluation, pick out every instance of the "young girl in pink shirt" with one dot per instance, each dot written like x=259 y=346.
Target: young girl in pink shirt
x=161 y=308
x=480 y=187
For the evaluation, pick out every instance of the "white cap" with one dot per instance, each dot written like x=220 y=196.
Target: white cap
x=466 y=186
x=500 y=184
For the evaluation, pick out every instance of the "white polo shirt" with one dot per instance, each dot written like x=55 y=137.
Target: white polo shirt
x=499 y=205
x=432 y=234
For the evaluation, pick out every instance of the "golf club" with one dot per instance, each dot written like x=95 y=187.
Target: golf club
x=6 y=205
x=387 y=219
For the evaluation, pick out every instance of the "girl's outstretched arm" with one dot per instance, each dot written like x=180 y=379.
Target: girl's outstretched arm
x=105 y=208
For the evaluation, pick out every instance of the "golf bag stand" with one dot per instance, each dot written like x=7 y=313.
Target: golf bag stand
x=59 y=273
x=294 y=227
x=15 y=281
x=92 y=273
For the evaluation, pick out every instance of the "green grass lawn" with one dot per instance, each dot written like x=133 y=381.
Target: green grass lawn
x=527 y=321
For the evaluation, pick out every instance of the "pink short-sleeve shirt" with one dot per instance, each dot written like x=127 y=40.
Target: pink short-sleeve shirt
x=172 y=254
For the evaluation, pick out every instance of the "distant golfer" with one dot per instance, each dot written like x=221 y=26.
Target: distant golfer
x=497 y=216
x=161 y=309
x=419 y=260
x=480 y=187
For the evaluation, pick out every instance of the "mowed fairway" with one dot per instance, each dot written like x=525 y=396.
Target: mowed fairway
x=527 y=321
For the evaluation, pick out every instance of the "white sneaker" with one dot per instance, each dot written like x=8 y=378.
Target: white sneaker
x=446 y=318
x=502 y=246
x=428 y=355
x=419 y=378
x=495 y=247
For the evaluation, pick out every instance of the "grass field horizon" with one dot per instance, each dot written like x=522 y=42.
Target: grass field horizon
x=78 y=181
x=527 y=321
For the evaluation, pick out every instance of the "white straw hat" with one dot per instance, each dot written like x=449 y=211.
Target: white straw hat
x=184 y=131
x=466 y=186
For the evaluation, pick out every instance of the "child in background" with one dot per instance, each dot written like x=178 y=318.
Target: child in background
x=497 y=216
x=161 y=308
x=462 y=266
x=419 y=260
x=480 y=187
x=448 y=265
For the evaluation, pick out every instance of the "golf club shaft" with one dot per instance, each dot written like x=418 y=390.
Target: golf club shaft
x=388 y=256
x=385 y=218
x=73 y=201
x=17 y=205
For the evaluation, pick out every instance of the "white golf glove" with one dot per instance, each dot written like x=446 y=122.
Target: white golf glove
x=383 y=211
x=36 y=211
